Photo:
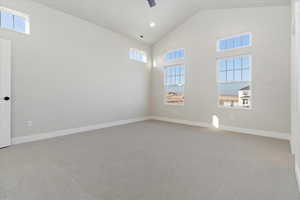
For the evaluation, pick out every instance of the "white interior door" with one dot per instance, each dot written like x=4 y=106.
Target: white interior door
x=5 y=103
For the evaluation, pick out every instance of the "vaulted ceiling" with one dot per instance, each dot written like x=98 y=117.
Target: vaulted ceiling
x=132 y=17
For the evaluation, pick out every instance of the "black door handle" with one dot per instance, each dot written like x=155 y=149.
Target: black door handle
x=6 y=98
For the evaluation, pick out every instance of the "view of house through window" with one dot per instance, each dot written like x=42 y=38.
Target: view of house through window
x=174 y=84
x=234 y=82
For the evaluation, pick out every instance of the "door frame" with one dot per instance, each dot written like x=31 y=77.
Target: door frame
x=5 y=91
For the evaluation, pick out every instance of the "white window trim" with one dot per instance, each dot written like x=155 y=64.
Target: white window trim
x=251 y=97
x=165 y=100
x=20 y=14
x=233 y=36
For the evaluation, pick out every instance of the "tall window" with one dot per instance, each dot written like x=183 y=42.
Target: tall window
x=235 y=42
x=13 y=20
x=234 y=81
x=138 y=55
x=174 y=84
x=174 y=77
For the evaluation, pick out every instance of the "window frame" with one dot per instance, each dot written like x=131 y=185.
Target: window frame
x=19 y=14
x=250 y=82
x=165 y=88
x=234 y=36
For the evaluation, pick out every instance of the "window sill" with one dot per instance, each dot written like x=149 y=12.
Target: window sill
x=234 y=108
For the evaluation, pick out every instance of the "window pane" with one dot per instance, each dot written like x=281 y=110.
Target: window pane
x=181 y=79
x=234 y=85
x=223 y=45
x=235 y=94
x=246 y=75
x=245 y=40
x=230 y=43
x=230 y=64
x=222 y=65
x=238 y=75
x=230 y=75
x=178 y=54
x=174 y=88
x=174 y=55
x=7 y=20
x=234 y=42
x=138 y=55
x=181 y=53
x=222 y=76
x=170 y=56
x=245 y=62
x=19 y=24
x=237 y=63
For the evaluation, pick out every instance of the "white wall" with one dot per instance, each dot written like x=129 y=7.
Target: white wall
x=296 y=82
x=69 y=73
x=271 y=73
x=293 y=77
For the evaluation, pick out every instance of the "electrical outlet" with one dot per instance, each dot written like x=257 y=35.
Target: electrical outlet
x=29 y=123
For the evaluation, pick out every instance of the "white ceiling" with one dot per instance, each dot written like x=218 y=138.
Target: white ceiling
x=132 y=17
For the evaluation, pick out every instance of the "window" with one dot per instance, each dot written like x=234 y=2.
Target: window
x=235 y=42
x=234 y=82
x=174 y=55
x=234 y=69
x=14 y=20
x=174 y=84
x=138 y=55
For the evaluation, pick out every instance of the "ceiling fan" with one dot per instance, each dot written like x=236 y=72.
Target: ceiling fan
x=152 y=3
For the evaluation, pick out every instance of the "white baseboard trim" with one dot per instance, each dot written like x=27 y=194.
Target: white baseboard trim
x=292 y=145
x=179 y=121
x=297 y=171
x=277 y=135
x=42 y=136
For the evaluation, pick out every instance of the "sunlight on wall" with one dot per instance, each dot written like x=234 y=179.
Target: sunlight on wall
x=154 y=63
x=215 y=121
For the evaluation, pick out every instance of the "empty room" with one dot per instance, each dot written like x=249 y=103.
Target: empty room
x=149 y=100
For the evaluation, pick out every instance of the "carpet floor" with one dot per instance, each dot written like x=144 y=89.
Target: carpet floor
x=149 y=160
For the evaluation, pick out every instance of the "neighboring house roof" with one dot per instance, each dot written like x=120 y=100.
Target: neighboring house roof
x=231 y=89
x=245 y=97
x=246 y=88
x=229 y=98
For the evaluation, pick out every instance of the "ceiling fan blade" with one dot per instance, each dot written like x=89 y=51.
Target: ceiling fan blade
x=152 y=3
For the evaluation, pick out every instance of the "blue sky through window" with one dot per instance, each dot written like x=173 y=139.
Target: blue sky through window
x=138 y=55
x=174 y=55
x=7 y=20
x=234 y=69
x=20 y=24
x=13 y=20
x=235 y=42
x=175 y=75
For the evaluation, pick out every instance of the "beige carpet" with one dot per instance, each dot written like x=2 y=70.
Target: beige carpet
x=149 y=161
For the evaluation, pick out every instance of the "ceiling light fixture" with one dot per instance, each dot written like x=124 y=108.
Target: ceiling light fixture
x=152 y=24
x=152 y=3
